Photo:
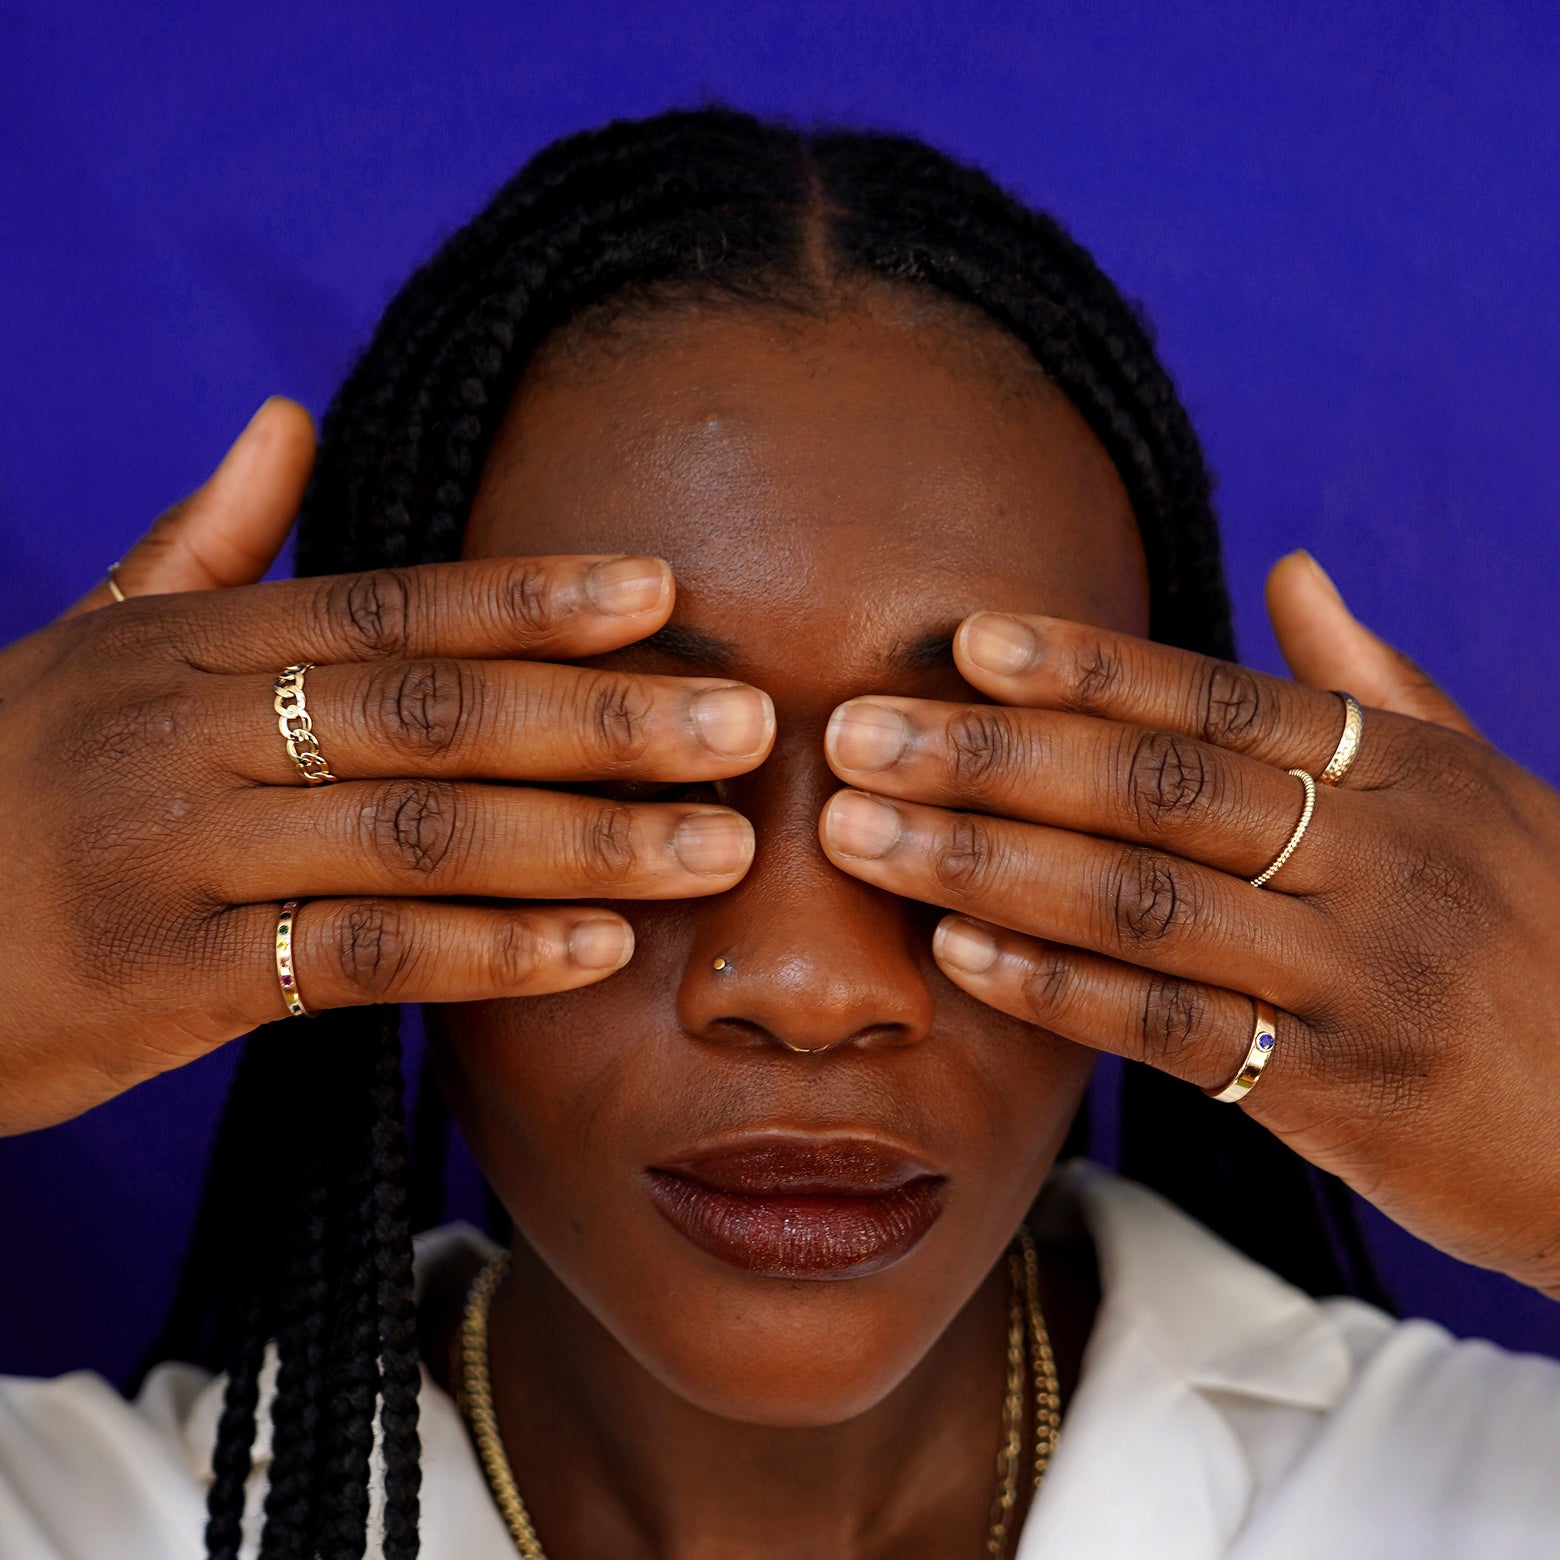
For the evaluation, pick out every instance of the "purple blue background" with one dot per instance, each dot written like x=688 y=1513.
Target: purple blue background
x=1345 y=221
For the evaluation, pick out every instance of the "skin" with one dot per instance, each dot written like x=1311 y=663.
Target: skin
x=769 y=1417
x=827 y=491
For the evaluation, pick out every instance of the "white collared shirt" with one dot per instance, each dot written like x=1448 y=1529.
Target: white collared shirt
x=1221 y=1415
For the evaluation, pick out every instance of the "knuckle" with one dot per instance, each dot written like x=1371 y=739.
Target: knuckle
x=372 y=611
x=423 y=707
x=605 y=846
x=414 y=826
x=617 y=715
x=518 y=954
x=529 y=596
x=965 y=857
x=1174 y=1016
x=134 y=627
x=1232 y=710
x=165 y=721
x=375 y=950
x=1047 y=988
x=1168 y=780
x=982 y=747
x=1097 y=673
x=1148 y=900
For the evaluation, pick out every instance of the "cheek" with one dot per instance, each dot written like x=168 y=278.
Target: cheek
x=565 y=1101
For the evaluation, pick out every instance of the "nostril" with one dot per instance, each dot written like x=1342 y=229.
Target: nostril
x=742 y=1030
x=729 y=1029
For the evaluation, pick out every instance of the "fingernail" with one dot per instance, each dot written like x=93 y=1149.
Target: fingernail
x=624 y=586
x=864 y=735
x=1322 y=573
x=964 y=945
x=713 y=844
x=860 y=825
x=997 y=642
x=733 y=721
x=601 y=944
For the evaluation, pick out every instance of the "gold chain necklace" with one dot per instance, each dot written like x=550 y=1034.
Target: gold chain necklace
x=474 y=1398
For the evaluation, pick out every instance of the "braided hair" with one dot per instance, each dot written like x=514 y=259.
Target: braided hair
x=302 y=1250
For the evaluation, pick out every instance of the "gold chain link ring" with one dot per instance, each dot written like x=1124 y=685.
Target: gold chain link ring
x=297 y=729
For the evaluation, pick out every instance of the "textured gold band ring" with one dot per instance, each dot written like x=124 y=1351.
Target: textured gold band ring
x=286 y=975
x=1263 y=1039
x=1348 y=743
x=1299 y=831
x=297 y=728
x=113 y=583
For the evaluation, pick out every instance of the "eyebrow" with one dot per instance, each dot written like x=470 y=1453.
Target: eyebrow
x=690 y=647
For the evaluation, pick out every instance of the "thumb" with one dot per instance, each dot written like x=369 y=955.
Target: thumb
x=230 y=529
x=1326 y=646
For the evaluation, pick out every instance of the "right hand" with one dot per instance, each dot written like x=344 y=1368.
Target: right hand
x=154 y=822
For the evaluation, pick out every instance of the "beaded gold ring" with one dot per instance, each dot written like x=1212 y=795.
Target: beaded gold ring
x=286 y=976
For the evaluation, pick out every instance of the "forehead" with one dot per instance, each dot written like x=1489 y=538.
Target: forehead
x=851 y=479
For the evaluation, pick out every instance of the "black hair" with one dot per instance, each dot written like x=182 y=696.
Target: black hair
x=304 y=1238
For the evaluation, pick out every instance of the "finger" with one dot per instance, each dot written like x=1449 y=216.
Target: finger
x=1126 y=901
x=1091 y=776
x=435 y=838
x=502 y=720
x=347 y=952
x=1194 y=1031
x=230 y=529
x=1326 y=646
x=560 y=608
x=1053 y=664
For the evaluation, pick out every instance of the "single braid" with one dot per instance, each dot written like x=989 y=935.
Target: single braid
x=232 y=1453
x=293 y=1492
x=392 y=1247
x=354 y=1359
x=641 y=215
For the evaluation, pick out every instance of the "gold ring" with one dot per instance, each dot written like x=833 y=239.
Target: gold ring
x=1349 y=743
x=1300 y=828
x=1263 y=1039
x=113 y=583
x=296 y=727
x=286 y=976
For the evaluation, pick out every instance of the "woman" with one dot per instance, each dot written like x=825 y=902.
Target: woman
x=722 y=687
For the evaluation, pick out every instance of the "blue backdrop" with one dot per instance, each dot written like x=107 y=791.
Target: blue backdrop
x=1343 y=220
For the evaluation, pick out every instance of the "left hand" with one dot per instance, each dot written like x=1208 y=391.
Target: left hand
x=1094 y=829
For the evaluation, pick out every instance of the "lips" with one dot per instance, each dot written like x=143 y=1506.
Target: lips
x=800 y=1206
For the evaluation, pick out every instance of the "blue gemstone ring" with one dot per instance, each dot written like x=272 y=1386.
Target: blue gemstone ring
x=1264 y=1037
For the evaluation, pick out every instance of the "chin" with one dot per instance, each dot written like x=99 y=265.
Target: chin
x=785 y=1353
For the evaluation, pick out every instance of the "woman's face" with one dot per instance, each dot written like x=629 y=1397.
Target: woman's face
x=834 y=494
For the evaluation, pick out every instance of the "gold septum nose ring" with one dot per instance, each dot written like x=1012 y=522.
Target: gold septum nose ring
x=723 y=965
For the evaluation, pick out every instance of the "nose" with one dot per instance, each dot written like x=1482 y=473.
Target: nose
x=798 y=954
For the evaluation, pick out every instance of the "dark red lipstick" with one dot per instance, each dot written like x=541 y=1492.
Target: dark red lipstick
x=798 y=1206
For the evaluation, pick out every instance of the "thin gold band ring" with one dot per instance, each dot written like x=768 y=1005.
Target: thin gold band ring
x=1261 y=879
x=113 y=583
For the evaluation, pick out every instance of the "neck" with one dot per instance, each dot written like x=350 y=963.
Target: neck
x=611 y=1462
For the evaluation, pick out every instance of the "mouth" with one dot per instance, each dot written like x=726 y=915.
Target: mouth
x=800 y=1206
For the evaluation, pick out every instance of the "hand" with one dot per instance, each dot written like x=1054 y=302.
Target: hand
x=1094 y=830
x=153 y=819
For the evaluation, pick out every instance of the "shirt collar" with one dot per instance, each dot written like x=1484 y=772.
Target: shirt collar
x=1151 y=1459
x=1214 y=1317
